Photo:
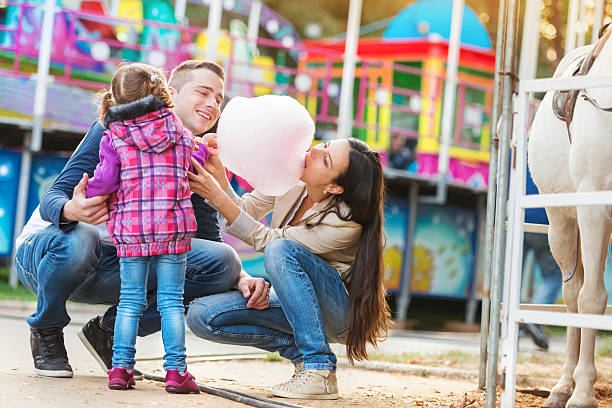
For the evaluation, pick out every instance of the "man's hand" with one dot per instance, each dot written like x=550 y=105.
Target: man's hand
x=257 y=290
x=80 y=208
x=210 y=140
x=213 y=164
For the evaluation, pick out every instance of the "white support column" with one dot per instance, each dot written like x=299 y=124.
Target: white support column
x=581 y=26
x=450 y=88
x=253 y=25
x=572 y=16
x=598 y=21
x=529 y=49
x=42 y=76
x=115 y=7
x=214 y=26
x=179 y=11
x=34 y=145
x=345 y=115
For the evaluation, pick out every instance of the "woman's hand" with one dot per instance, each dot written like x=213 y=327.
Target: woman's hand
x=204 y=184
x=207 y=187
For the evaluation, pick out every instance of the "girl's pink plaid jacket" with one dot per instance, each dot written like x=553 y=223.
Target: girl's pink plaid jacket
x=145 y=154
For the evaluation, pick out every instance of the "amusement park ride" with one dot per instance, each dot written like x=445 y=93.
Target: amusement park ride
x=398 y=94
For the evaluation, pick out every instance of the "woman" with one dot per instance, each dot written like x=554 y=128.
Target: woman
x=323 y=255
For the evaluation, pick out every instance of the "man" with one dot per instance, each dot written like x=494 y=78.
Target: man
x=549 y=291
x=64 y=252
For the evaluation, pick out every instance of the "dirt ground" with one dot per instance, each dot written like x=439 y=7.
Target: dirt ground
x=376 y=389
x=357 y=387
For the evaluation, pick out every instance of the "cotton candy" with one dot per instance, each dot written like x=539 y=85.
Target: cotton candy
x=264 y=140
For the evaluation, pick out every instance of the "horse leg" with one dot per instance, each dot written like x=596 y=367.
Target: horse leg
x=563 y=241
x=595 y=238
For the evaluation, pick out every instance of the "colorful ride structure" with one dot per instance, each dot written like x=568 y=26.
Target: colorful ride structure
x=399 y=87
x=398 y=90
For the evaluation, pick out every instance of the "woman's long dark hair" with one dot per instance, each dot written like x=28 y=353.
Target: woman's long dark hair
x=364 y=188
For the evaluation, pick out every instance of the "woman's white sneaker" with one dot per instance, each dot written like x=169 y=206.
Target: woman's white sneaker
x=309 y=384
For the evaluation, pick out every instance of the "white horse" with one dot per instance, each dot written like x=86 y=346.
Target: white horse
x=584 y=165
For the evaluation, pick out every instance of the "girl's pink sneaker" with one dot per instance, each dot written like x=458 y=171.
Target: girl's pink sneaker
x=181 y=384
x=120 y=378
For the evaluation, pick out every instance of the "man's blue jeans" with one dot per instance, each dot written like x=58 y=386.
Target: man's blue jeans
x=309 y=307
x=59 y=266
x=133 y=301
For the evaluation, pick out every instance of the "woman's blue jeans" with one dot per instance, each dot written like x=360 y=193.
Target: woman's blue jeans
x=133 y=302
x=309 y=307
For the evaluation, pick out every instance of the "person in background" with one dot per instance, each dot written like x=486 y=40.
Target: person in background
x=401 y=156
x=548 y=291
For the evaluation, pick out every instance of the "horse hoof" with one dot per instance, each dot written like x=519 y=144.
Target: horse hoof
x=584 y=402
x=556 y=400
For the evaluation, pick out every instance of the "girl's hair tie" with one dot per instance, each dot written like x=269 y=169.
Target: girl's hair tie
x=153 y=77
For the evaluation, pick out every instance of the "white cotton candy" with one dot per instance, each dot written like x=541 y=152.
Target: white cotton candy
x=264 y=140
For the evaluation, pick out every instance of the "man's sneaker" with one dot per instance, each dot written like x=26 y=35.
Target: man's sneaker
x=537 y=334
x=99 y=342
x=177 y=383
x=49 y=353
x=120 y=378
x=309 y=384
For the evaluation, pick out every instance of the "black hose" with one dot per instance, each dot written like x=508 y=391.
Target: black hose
x=240 y=397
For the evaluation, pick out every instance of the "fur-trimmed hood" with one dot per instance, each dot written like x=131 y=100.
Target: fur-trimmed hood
x=133 y=110
x=146 y=123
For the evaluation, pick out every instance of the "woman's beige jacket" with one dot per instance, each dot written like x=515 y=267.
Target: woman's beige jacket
x=334 y=240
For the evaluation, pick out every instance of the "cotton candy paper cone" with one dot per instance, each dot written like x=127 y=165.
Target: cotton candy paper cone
x=264 y=140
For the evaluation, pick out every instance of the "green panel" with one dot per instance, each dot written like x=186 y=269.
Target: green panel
x=404 y=80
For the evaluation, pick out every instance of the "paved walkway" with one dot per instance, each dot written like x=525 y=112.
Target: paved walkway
x=19 y=383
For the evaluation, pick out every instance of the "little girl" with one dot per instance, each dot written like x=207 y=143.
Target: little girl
x=145 y=154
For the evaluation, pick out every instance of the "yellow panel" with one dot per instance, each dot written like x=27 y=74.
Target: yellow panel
x=224 y=43
x=371 y=113
x=265 y=65
x=430 y=92
x=311 y=104
x=384 y=119
x=131 y=9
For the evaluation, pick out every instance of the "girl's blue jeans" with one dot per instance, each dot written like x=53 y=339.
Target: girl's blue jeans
x=133 y=302
x=309 y=308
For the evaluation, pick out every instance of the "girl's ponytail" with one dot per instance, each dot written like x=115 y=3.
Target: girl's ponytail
x=106 y=102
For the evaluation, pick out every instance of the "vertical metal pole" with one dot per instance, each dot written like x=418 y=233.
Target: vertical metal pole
x=529 y=49
x=22 y=199
x=253 y=25
x=212 y=31
x=34 y=145
x=345 y=114
x=404 y=298
x=450 y=88
x=516 y=234
x=572 y=16
x=490 y=217
x=472 y=306
x=500 y=205
x=597 y=22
